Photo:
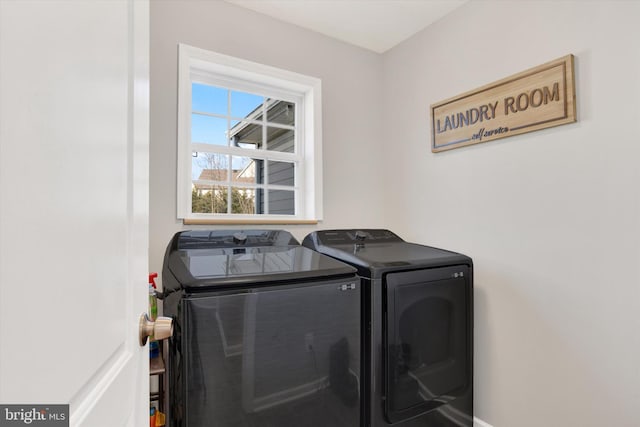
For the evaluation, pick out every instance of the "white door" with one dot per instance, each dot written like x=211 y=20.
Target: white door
x=74 y=207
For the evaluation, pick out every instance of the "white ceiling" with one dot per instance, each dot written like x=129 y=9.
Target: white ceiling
x=377 y=25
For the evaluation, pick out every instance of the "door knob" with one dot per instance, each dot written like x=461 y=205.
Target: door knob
x=160 y=329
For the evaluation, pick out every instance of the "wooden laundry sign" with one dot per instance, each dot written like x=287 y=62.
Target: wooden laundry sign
x=535 y=99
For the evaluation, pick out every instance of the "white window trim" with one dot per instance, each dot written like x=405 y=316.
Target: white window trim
x=190 y=61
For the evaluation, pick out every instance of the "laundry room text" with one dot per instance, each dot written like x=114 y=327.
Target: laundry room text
x=535 y=99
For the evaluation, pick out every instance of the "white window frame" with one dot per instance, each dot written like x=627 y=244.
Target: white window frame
x=199 y=65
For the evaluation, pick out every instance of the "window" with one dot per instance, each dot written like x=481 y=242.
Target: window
x=249 y=145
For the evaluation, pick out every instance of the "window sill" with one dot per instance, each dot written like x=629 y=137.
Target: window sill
x=230 y=221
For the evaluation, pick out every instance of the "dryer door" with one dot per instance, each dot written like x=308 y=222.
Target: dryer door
x=427 y=339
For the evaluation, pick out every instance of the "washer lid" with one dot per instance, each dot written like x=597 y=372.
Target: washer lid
x=375 y=251
x=199 y=261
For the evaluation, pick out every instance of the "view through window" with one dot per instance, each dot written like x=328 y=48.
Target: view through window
x=250 y=182
x=249 y=140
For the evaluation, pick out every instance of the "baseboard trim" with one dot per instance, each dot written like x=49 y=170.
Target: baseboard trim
x=477 y=422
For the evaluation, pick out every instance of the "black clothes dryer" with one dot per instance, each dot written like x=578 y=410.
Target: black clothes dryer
x=267 y=332
x=418 y=320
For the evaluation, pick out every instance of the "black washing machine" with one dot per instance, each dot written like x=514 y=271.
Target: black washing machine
x=418 y=327
x=267 y=332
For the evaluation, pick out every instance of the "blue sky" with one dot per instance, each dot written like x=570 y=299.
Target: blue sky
x=213 y=130
x=210 y=99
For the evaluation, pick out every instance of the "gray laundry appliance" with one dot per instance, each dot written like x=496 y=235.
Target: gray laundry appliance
x=267 y=332
x=417 y=327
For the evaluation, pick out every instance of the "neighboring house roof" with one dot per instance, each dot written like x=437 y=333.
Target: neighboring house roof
x=238 y=176
x=278 y=112
x=213 y=175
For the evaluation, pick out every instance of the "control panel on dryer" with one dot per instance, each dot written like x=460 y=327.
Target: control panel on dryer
x=355 y=236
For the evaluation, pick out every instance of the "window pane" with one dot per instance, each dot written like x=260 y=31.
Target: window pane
x=244 y=170
x=209 y=99
x=209 y=199
x=246 y=104
x=281 y=173
x=281 y=202
x=281 y=112
x=280 y=140
x=208 y=130
x=254 y=126
x=209 y=167
x=246 y=135
x=243 y=200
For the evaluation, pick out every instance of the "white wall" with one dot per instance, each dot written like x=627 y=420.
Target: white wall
x=352 y=107
x=551 y=218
